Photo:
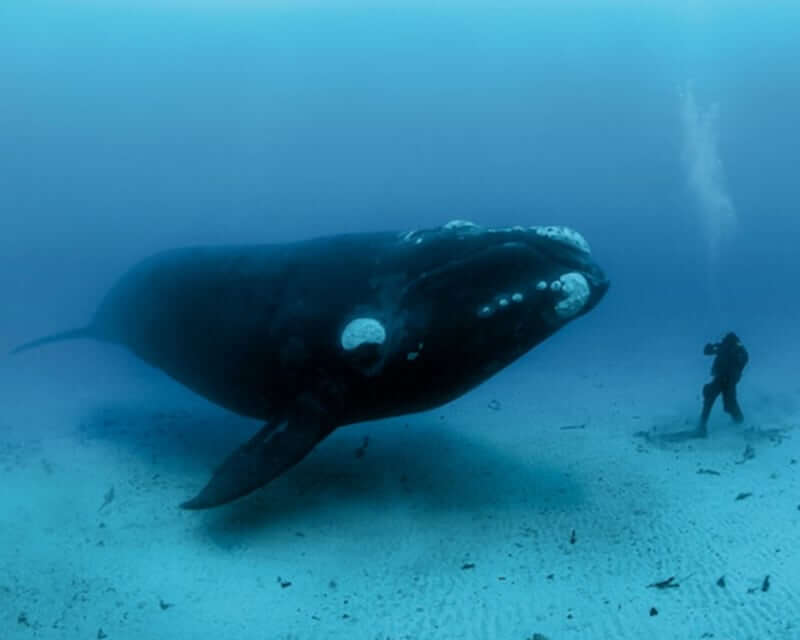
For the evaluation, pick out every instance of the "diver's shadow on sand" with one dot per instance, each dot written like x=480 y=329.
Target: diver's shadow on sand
x=416 y=463
x=672 y=435
x=668 y=438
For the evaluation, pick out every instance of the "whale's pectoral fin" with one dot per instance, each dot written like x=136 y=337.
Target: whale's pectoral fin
x=274 y=449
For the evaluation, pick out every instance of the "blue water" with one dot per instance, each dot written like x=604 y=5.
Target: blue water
x=664 y=132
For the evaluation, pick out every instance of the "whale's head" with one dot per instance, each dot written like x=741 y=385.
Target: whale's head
x=481 y=297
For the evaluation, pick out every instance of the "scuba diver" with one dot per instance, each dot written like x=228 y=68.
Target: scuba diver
x=729 y=361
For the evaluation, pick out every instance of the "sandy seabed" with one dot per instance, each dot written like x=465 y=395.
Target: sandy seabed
x=530 y=508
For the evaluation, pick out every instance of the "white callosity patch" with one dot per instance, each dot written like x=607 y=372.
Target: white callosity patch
x=464 y=226
x=565 y=235
x=362 y=331
x=506 y=229
x=502 y=301
x=575 y=290
x=541 y=285
x=460 y=224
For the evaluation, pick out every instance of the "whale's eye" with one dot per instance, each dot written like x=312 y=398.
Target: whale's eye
x=362 y=331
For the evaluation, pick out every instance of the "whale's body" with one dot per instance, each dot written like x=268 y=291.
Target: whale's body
x=314 y=335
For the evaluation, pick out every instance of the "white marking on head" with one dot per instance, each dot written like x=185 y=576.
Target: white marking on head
x=362 y=331
x=412 y=355
x=576 y=290
x=503 y=302
x=485 y=311
x=541 y=285
x=517 y=297
x=460 y=224
x=555 y=285
x=565 y=235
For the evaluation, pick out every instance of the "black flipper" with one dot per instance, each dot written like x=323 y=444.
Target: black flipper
x=83 y=332
x=273 y=450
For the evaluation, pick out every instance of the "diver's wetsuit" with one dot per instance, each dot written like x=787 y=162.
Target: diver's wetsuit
x=731 y=358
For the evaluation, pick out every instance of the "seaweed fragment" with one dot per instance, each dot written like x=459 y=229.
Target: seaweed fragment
x=108 y=498
x=669 y=583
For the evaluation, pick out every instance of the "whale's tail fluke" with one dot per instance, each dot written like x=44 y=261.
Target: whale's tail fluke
x=83 y=332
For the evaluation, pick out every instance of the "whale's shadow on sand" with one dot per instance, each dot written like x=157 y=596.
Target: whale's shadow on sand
x=420 y=461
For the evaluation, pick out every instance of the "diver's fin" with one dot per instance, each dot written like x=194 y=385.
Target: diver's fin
x=83 y=332
x=273 y=450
